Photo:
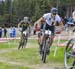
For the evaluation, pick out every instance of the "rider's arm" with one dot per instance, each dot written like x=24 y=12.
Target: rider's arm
x=73 y=15
x=39 y=22
x=19 y=25
x=61 y=25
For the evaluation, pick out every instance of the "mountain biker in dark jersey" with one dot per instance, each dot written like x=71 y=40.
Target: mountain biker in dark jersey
x=24 y=24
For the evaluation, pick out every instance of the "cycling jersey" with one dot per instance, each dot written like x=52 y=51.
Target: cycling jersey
x=73 y=14
x=24 y=25
x=48 y=18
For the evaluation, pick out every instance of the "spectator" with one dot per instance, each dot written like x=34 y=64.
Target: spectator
x=14 y=32
x=70 y=19
x=10 y=32
x=65 y=20
x=0 y=32
x=5 y=32
x=34 y=32
x=73 y=16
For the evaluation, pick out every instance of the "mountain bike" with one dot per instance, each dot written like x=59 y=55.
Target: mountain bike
x=46 y=45
x=69 y=55
x=24 y=39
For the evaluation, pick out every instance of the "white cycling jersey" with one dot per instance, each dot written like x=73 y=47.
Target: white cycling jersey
x=49 y=19
x=73 y=14
x=74 y=48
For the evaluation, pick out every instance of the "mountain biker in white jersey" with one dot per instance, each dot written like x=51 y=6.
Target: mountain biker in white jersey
x=73 y=16
x=51 y=20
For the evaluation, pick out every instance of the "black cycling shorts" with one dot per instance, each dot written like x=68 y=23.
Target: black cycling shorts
x=51 y=28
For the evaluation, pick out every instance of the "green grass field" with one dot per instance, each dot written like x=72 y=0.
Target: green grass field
x=28 y=58
x=10 y=66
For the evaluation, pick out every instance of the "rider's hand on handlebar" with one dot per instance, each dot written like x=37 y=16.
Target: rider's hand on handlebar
x=59 y=31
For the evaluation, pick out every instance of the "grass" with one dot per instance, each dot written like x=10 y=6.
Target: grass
x=59 y=58
x=31 y=56
x=6 y=45
x=28 y=56
x=9 y=66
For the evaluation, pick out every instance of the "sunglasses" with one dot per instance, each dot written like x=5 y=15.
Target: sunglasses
x=54 y=13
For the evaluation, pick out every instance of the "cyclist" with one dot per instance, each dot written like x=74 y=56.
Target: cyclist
x=25 y=24
x=51 y=20
x=73 y=15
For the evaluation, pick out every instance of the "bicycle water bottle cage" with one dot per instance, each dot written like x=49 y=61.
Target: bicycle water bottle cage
x=47 y=33
x=24 y=32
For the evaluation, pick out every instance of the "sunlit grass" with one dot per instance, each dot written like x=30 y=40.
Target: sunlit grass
x=9 y=66
x=29 y=55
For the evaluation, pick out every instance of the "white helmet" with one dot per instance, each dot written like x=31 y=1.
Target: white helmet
x=26 y=19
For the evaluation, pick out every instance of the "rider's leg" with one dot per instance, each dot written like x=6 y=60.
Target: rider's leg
x=42 y=38
x=26 y=35
x=51 y=40
x=39 y=35
x=41 y=42
x=20 y=43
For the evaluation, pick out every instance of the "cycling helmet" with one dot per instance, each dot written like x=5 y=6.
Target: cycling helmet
x=54 y=10
x=26 y=19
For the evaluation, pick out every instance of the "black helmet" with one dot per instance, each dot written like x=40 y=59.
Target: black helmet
x=54 y=10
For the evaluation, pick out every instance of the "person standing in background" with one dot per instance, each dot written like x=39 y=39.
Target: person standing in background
x=5 y=32
x=0 y=32
x=14 y=31
x=11 y=31
x=73 y=16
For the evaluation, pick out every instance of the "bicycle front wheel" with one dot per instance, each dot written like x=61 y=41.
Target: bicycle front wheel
x=68 y=55
x=44 y=53
x=68 y=60
x=45 y=50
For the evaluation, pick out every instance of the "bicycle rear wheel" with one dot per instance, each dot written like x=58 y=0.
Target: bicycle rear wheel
x=68 y=55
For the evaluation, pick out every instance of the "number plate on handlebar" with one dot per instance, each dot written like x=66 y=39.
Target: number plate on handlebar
x=24 y=32
x=48 y=32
